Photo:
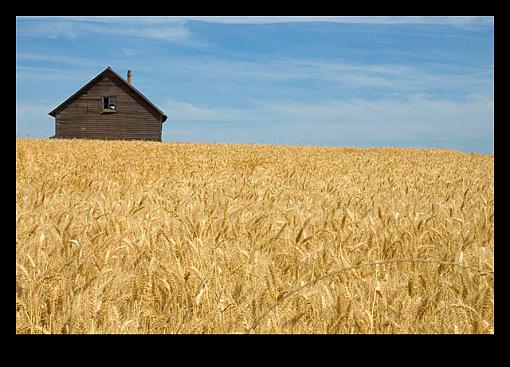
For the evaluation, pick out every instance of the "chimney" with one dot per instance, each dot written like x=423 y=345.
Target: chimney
x=129 y=76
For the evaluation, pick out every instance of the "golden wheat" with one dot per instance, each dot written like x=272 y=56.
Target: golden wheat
x=142 y=237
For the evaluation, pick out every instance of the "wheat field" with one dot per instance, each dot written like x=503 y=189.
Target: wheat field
x=147 y=237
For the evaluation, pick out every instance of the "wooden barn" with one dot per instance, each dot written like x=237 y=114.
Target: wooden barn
x=108 y=107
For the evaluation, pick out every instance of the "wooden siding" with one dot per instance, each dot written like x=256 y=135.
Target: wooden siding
x=84 y=117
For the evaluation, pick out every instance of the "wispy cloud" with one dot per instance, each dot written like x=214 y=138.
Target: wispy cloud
x=27 y=74
x=330 y=76
x=457 y=21
x=278 y=68
x=416 y=115
x=33 y=66
x=74 y=27
x=174 y=29
x=58 y=59
x=130 y=51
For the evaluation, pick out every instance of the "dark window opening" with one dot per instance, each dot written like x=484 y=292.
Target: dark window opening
x=109 y=103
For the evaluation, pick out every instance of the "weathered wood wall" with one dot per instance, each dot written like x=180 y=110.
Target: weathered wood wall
x=84 y=117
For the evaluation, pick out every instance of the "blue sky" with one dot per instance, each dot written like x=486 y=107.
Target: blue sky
x=423 y=82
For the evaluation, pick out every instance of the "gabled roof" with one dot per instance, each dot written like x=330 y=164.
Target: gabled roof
x=108 y=72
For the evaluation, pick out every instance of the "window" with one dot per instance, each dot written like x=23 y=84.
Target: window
x=109 y=104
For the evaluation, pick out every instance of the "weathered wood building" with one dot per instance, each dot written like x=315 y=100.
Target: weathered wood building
x=108 y=107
